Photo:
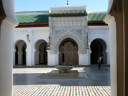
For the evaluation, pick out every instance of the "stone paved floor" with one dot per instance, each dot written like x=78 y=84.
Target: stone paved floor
x=36 y=82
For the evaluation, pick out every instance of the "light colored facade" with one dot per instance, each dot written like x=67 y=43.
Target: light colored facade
x=60 y=28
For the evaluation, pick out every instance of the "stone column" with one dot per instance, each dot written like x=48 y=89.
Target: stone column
x=89 y=56
x=20 y=55
x=110 y=20
x=6 y=57
x=108 y=50
x=20 y=58
x=108 y=57
x=37 y=57
x=14 y=51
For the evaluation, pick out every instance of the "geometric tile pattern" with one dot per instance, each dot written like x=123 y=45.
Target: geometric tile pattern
x=37 y=82
x=41 y=90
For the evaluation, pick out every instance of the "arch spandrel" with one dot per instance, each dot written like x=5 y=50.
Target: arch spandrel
x=37 y=43
x=23 y=41
x=69 y=34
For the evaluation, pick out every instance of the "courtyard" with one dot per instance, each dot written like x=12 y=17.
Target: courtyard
x=35 y=81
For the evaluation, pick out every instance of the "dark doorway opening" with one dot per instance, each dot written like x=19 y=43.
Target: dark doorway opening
x=98 y=48
x=43 y=53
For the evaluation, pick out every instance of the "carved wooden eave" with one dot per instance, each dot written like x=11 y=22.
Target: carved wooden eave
x=40 y=24
x=2 y=12
x=96 y=23
x=46 y=24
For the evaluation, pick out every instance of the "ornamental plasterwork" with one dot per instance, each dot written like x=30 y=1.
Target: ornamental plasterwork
x=55 y=42
x=57 y=8
x=72 y=32
x=20 y=30
x=98 y=29
x=62 y=30
x=69 y=21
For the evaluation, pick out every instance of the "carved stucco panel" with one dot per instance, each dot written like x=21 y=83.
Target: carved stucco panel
x=69 y=21
x=69 y=34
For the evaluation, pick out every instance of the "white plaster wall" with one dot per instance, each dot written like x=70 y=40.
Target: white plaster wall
x=101 y=32
x=83 y=59
x=6 y=48
x=35 y=34
x=110 y=20
x=6 y=56
x=38 y=34
x=52 y=59
x=42 y=33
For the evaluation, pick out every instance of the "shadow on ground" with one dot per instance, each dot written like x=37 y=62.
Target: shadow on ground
x=89 y=76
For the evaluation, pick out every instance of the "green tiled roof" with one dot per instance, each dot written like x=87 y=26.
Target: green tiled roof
x=28 y=12
x=30 y=17
x=96 y=16
x=67 y=11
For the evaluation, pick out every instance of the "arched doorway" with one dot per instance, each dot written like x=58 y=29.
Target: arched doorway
x=20 y=53
x=98 y=48
x=41 y=53
x=68 y=52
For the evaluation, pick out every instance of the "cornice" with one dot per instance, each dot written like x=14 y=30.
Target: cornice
x=68 y=8
x=97 y=27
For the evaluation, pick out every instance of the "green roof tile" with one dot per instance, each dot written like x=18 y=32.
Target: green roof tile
x=32 y=18
x=96 y=16
x=29 y=17
x=28 y=12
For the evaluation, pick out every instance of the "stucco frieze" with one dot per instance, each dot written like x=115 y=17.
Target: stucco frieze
x=69 y=21
x=98 y=29
x=20 y=30
x=57 y=8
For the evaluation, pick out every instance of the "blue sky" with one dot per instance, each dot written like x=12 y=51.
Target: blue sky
x=40 y=5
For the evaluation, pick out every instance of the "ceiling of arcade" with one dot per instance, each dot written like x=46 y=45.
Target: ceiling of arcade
x=116 y=7
x=2 y=13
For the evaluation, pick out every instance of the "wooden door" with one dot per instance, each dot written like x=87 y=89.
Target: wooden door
x=68 y=54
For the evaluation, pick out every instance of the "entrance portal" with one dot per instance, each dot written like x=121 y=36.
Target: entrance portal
x=98 y=48
x=68 y=52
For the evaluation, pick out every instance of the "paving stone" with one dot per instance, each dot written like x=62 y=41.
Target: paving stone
x=36 y=82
